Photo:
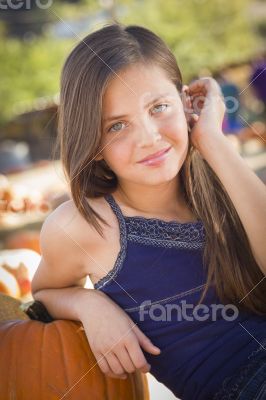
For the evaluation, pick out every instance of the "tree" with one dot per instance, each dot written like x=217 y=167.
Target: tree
x=201 y=33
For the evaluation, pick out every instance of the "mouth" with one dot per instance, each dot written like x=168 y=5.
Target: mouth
x=155 y=156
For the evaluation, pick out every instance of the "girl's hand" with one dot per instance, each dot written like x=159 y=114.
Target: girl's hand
x=204 y=109
x=114 y=338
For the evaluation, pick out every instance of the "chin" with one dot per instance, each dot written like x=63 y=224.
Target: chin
x=156 y=177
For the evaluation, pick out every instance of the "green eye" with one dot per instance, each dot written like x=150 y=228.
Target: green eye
x=160 y=105
x=111 y=129
x=117 y=123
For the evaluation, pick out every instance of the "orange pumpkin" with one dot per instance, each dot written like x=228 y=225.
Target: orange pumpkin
x=26 y=239
x=19 y=265
x=9 y=284
x=54 y=362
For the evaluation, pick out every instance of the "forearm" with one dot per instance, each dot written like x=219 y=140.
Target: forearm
x=245 y=189
x=66 y=303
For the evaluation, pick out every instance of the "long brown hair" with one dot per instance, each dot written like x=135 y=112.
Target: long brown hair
x=228 y=259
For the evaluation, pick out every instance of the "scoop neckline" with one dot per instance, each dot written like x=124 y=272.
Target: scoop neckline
x=152 y=219
x=158 y=220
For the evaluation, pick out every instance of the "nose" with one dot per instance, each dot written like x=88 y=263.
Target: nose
x=148 y=135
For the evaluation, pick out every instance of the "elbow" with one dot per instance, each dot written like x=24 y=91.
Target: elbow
x=39 y=295
x=37 y=291
x=35 y=294
x=36 y=288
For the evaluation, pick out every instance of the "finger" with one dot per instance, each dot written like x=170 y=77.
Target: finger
x=185 y=88
x=186 y=100
x=192 y=92
x=197 y=105
x=203 y=86
x=197 y=96
x=197 y=93
x=208 y=86
x=201 y=83
x=197 y=89
x=137 y=357
x=115 y=364
x=106 y=369
x=145 y=342
x=193 y=119
x=126 y=361
x=114 y=376
x=101 y=361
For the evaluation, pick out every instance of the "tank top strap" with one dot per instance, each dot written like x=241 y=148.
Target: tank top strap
x=116 y=209
x=123 y=243
x=121 y=220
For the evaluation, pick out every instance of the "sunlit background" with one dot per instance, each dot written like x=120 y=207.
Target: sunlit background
x=219 y=38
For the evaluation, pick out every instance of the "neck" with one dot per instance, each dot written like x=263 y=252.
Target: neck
x=161 y=200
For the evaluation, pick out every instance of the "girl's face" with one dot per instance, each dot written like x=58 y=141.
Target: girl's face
x=143 y=114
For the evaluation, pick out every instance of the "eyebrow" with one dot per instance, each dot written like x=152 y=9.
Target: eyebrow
x=114 y=117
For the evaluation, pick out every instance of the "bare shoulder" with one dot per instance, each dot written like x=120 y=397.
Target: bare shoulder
x=67 y=222
x=69 y=245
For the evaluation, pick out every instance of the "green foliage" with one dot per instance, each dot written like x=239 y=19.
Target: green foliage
x=29 y=70
x=201 y=33
x=64 y=10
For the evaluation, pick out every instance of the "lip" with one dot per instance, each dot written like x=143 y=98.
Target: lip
x=156 y=155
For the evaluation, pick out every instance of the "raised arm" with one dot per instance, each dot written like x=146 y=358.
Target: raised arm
x=246 y=190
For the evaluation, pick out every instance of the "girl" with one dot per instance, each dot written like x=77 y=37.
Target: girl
x=165 y=216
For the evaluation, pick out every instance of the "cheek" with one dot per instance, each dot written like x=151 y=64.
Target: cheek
x=116 y=153
x=176 y=129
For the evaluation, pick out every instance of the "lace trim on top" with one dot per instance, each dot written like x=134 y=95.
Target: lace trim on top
x=155 y=232
x=152 y=231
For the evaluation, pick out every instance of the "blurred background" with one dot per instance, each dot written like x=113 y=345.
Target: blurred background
x=219 y=38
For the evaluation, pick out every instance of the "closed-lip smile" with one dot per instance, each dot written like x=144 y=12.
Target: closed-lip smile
x=155 y=155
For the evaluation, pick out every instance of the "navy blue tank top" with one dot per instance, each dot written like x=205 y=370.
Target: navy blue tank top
x=157 y=279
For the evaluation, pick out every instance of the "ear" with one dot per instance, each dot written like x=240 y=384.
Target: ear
x=186 y=101
x=190 y=114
